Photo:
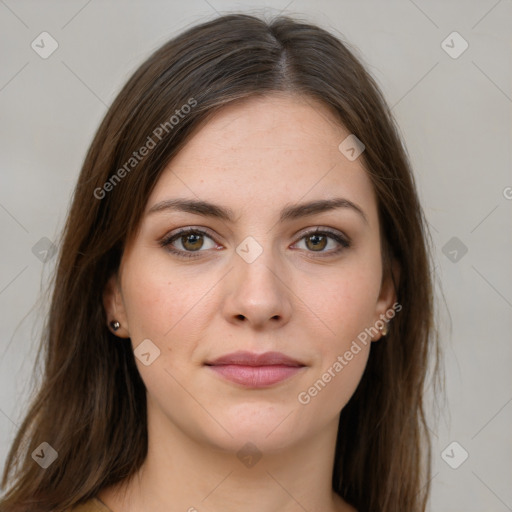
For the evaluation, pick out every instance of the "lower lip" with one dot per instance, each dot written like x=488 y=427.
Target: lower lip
x=256 y=376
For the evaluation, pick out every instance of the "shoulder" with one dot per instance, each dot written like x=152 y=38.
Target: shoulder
x=92 y=505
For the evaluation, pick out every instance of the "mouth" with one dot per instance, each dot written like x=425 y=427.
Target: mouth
x=256 y=370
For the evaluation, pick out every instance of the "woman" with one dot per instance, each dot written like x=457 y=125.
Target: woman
x=242 y=313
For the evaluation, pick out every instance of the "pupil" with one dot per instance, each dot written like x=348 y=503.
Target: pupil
x=193 y=239
x=316 y=241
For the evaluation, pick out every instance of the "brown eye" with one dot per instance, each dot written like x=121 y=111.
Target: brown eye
x=192 y=241
x=324 y=242
x=187 y=242
x=316 y=242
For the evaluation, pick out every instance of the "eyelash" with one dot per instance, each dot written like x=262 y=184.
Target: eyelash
x=166 y=242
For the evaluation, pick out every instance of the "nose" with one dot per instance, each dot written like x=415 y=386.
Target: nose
x=257 y=293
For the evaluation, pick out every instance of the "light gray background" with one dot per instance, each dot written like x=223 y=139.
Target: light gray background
x=455 y=116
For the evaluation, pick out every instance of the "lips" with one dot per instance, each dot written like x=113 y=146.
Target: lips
x=250 y=359
x=255 y=370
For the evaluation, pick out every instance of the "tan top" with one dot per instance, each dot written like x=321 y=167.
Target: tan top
x=92 y=505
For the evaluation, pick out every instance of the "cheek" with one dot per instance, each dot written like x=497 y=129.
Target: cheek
x=164 y=304
x=342 y=376
x=147 y=302
x=344 y=303
x=145 y=297
x=343 y=351
x=345 y=306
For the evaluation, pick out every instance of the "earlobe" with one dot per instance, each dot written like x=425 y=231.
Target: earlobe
x=114 y=308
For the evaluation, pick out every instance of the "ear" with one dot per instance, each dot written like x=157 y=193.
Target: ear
x=114 y=307
x=387 y=296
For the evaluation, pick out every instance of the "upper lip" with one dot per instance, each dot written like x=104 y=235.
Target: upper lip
x=244 y=358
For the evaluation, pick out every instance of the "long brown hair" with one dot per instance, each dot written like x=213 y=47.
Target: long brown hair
x=91 y=403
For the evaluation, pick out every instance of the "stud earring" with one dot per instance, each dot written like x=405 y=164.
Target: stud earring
x=384 y=329
x=115 y=325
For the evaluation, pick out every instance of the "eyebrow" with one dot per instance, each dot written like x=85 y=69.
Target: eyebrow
x=291 y=212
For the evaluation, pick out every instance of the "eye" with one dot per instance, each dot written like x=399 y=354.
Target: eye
x=318 y=240
x=191 y=240
x=188 y=241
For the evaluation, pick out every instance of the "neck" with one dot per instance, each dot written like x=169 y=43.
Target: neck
x=184 y=473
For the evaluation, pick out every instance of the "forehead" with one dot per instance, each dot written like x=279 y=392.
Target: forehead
x=265 y=152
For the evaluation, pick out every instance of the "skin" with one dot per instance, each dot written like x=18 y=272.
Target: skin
x=254 y=157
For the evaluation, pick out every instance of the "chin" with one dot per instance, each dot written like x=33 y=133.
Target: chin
x=269 y=427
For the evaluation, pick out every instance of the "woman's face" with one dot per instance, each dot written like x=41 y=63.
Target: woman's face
x=253 y=277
